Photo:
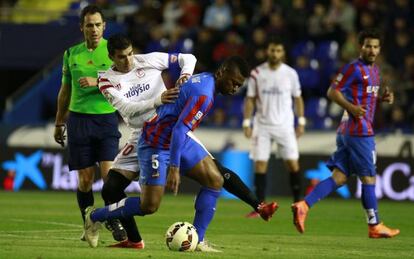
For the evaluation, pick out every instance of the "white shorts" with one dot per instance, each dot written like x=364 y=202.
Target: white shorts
x=263 y=137
x=127 y=158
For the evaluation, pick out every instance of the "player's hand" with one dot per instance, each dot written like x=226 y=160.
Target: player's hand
x=170 y=95
x=247 y=132
x=357 y=111
x=60 y=134
x=88 y=82
x=387 y=96
x=183 y=78
x=300 y=130
x=173 y=179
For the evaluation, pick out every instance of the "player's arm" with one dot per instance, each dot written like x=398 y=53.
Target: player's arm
x=63 y=102
x=249 y=104
x=88 y=81
x=343 y=80
x=299 y=104
x=337 y=97
x=194 y=111
x=187 y=63
x=387 y=96
x=129 y=108
x=300 y=113
x=162 y=61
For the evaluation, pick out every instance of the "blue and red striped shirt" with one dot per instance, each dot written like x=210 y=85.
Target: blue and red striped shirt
x=359 y=83
x=168 y=128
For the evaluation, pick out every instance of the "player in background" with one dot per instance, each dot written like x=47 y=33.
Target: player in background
x=129 y=74
x=270 y=90
x=92 y=123
x=134 y=86
x=356 y=89
x=167 y=133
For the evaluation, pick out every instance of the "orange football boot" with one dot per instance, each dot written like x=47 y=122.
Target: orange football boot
x=382 y=231
x=300 y=211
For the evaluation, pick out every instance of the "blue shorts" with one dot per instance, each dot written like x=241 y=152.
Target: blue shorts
x=92 y=138
x=354 y=155
x=154 y=162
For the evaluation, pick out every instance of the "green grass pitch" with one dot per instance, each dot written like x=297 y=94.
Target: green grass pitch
x=48 y=225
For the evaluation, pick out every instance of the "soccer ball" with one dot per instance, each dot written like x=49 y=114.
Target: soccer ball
x=181 y=236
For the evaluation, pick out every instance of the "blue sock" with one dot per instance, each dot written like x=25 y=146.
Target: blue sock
x=205 y=206
x=321 y=190
x=123 y=209
x=369 y=201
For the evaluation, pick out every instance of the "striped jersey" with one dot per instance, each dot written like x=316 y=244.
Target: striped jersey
x=359 y=83
x=273 y=90
x=172 y=121
x=137 y=93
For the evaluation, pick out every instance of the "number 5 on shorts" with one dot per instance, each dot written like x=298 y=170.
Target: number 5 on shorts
x=154 y=161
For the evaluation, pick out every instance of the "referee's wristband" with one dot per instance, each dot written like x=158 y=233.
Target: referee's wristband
x=302 y=121
x=246 y=123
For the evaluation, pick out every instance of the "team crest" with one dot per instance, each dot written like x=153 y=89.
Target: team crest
x=117 y=86
x=140 y=73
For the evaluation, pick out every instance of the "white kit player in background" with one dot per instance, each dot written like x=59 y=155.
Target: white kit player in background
x=271 y=88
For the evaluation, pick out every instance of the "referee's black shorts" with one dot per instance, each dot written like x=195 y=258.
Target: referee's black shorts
x=92 y=138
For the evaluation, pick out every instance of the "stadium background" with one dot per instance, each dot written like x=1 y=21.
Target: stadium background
x=320 y=36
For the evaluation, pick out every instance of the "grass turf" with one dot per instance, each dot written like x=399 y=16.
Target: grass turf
x=48 y=225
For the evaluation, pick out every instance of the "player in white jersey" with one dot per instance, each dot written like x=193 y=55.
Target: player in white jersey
x=134 y=87
x=271 y=88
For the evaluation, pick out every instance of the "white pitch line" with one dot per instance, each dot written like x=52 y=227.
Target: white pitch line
x=38 y=237
x=48 y=222
x=34 y=231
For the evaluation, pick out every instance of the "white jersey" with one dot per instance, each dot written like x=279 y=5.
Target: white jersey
x=273 y=90
x=136 y=94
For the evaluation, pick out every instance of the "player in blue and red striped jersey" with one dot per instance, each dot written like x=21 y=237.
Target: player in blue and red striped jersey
x=167 y=135
x=356 y=89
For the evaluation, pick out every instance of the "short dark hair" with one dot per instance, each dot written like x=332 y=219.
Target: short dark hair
x=90 y=9
x=237 y=62
x=118 y=42
x=275 y=40
x=369 y=33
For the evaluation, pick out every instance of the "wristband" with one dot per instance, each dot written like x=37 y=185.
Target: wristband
x=60 y=125
x=302 y=121
x=246 y=123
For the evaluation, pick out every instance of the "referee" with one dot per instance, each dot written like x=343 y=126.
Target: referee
x=92 y=124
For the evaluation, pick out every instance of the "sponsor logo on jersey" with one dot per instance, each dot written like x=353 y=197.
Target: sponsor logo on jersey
x=197 y=117
x=140 y=73
x=271 y=91
x=373 y=89
x=136 y=90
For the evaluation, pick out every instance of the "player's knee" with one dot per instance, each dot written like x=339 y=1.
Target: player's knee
x=149 y=208
x=216 y=181
x=339 y=178
x=85 y=184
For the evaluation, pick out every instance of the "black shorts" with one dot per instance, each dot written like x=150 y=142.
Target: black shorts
x=92 y=138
